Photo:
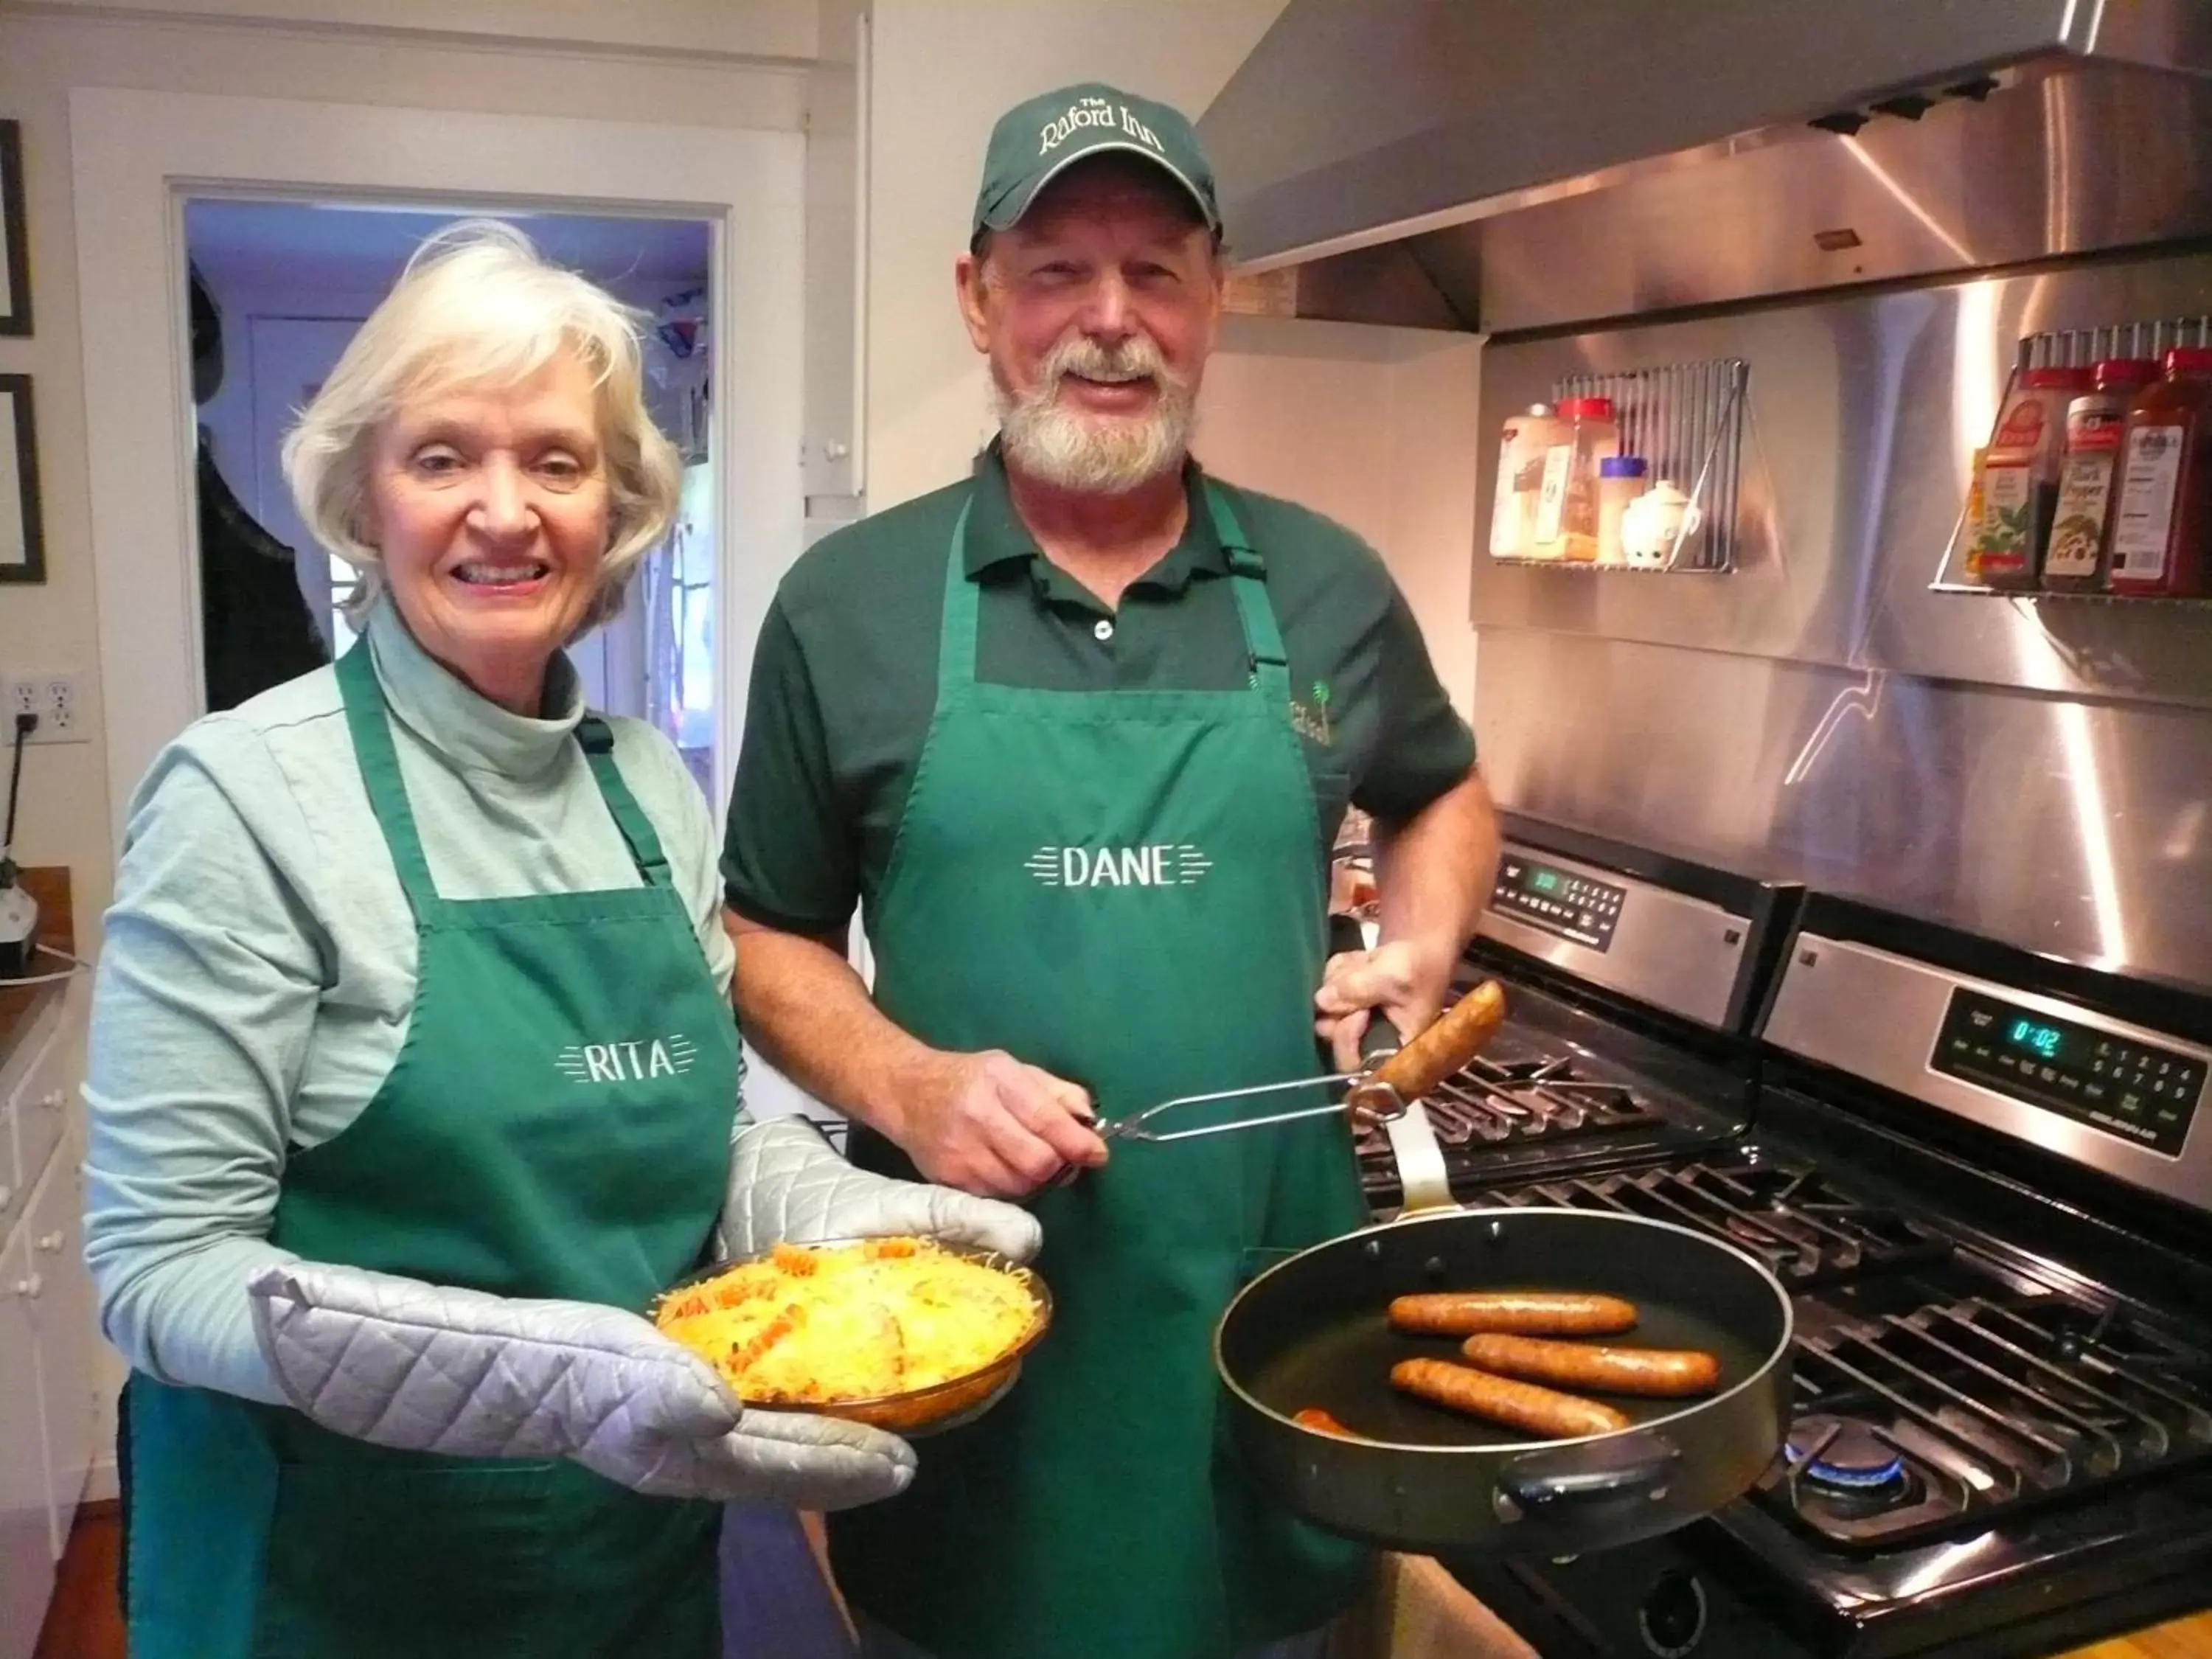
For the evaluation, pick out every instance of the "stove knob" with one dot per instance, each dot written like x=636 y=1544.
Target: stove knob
x=1673 y=1617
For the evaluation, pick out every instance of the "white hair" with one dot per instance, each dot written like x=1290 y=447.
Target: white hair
x=1097 y=455
x=477 y=305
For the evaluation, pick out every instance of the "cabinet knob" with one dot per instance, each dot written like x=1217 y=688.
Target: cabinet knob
x=51 y=1100
x=30 y=1287
x=51 y=1242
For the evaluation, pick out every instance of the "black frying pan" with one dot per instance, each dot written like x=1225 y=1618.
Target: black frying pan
x=1314 y=1332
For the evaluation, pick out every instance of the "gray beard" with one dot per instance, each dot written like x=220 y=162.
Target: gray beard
x=1056 y=446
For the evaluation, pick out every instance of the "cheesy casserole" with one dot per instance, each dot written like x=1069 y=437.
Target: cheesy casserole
x=817 y=1325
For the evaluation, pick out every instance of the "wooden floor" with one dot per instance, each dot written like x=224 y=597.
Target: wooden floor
x=85 y=1622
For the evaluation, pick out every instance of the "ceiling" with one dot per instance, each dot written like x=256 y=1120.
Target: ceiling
x=353 y=246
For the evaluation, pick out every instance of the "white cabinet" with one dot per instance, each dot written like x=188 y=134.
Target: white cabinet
x=46 y=1324
x=61 y=1330
x=39 y=1100
x=26 y=1559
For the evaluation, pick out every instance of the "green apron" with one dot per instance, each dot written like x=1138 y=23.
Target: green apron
x=556 y=1125
x=1125 y=889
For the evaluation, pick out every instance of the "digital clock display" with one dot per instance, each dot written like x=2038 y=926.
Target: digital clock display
x=2139 y=1091
x=1566 y=903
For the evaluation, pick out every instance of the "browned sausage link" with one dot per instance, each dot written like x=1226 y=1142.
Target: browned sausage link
x=1446 y=1044
x=1313 y=1417
x=1667 y=1372
x=1501 y=1400
x=1532 y=1313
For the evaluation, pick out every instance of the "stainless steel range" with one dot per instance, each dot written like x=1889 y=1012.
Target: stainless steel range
x=1633 y=979
x=1982 y=1174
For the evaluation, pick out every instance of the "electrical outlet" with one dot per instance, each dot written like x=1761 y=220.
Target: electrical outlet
x=56 y=699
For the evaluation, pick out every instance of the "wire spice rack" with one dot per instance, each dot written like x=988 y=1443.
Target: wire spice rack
x=1686 y=420
x=2149 y=338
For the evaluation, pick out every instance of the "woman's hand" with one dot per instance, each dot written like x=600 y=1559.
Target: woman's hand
x=788 y=1186
x=437 y=1368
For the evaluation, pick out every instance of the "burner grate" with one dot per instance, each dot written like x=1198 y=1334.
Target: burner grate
x=1494 y=1102
x=1988 y=1406
x=1804 y=1230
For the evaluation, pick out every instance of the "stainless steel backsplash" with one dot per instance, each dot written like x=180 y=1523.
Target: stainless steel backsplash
x=2039 y=771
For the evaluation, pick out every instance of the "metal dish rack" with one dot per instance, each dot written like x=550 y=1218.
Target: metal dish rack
x=1686 y=421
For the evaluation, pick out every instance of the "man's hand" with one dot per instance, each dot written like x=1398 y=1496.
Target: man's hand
x=1408 y=984
x=986 y=1123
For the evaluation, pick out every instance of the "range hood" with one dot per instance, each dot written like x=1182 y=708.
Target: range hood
x=1522 y=165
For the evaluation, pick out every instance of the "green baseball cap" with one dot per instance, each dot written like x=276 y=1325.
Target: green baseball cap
x=1034 y=143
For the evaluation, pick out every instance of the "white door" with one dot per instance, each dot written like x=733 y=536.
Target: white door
x=135 y=155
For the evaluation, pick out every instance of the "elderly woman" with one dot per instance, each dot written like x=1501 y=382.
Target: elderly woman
x=413 y=1072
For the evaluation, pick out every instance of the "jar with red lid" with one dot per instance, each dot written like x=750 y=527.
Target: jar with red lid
x=2161 y=513
x=1567 y=509
x=2075 y=559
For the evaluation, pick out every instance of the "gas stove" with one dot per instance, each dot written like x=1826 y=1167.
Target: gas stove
x=1631 y=979
x=1974 y=1170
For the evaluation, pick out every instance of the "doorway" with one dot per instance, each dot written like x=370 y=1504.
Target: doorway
x=277 y=289
x=138 y=159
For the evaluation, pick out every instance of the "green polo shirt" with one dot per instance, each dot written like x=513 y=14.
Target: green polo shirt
x=845 y=676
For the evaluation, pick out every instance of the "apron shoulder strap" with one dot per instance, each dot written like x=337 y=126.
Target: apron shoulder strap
x=1248 y=575
x=955 y=636
x=598 y=739
x=370 y=726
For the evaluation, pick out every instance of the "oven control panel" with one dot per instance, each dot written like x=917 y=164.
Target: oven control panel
x=2126 y=1087
x=1560 y=900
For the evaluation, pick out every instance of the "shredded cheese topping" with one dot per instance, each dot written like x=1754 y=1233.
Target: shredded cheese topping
x=824 y=1324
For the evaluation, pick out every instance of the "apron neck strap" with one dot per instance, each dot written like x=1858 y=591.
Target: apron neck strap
x=370 y=725
x=1248 y=576
x=1248 y=572
x=598 y=739
x=378 y=759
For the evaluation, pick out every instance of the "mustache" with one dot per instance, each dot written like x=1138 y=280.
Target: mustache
x=1135 y=358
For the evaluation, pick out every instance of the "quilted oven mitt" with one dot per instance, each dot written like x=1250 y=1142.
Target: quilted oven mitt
x=433 y=1368
x=788 y=1186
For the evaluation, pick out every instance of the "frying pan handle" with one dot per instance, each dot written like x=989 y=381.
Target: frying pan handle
x=1421 y=1159
x=1615 y=1467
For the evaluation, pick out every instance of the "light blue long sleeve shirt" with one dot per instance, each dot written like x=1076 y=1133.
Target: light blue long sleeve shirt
x=257 y=971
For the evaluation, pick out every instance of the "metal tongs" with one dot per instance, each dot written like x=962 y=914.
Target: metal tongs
x=1382 y=1091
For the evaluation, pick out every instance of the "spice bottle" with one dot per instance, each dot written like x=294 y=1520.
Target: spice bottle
x=1566 y=512
x=2075 y=562
x=2159 y=510
x=2019 y=478
x=1529 y=437
x=1620 y=481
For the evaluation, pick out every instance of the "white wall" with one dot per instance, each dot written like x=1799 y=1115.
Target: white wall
x=1379 y=428
x=764 y=29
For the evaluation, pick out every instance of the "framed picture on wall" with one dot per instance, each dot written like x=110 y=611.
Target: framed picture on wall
x=22 y=543
x=15 y=249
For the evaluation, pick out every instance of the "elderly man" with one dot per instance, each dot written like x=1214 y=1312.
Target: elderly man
x=1077 y=733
